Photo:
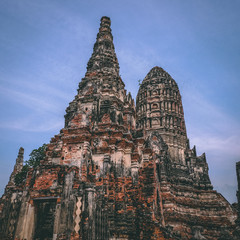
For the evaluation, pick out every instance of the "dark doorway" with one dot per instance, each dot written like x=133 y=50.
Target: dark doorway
x=45 y=215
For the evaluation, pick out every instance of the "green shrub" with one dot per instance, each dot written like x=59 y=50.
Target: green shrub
x=35 y=157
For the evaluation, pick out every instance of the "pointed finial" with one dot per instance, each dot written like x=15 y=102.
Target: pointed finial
x=105 y=21
x=105 y=24
x=104 y=56
x=19 y=161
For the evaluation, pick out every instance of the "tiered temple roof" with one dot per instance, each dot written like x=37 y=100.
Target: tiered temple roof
x=115 y=171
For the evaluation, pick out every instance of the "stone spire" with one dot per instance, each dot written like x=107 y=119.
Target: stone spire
x=104 y=56
x=17 y=167
x=159 y=108
x=238 y=191
x=101 y=91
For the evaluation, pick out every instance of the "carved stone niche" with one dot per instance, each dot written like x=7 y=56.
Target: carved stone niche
x=156 y=143
x=45 y=215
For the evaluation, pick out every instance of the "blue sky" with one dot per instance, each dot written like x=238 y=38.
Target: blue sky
x=45 y=46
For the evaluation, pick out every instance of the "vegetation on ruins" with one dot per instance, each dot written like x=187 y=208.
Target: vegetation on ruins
x=35 y=157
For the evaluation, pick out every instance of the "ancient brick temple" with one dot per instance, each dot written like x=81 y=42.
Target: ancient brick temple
x=116 y=171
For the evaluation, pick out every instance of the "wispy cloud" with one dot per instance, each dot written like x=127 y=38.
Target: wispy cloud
x=229 y=145
x=133 y=60
x=216 y=133
x=45 y=106
x=35 y=123
x=37 y=104
x=209 y=126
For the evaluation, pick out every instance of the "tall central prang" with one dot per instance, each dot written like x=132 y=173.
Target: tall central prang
x=115 y=171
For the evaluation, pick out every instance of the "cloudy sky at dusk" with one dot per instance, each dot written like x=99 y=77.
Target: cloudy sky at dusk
x=45 y=46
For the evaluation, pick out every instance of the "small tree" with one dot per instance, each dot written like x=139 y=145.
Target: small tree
x=21 y=176
x=35 y=157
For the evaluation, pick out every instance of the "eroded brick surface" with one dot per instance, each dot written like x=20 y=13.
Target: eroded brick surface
x=115 y=171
